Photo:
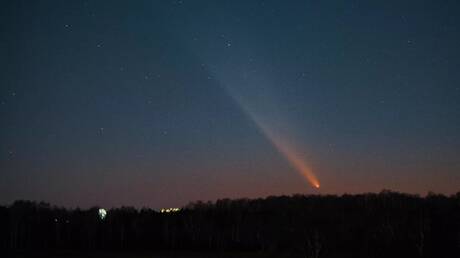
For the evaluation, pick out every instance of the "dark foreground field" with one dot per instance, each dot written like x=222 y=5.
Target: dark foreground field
x=185 y=254
x=386 y=224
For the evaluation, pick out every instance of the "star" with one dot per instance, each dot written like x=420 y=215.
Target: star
x=11 y=154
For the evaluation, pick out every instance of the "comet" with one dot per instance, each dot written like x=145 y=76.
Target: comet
x=296 y=160
x=277 y=139
x=287 y=150
x=258 y=104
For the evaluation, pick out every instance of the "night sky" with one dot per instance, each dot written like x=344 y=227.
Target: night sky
x=158 y=103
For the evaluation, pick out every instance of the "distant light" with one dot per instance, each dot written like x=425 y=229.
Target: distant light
x=102 y=214
x=169 y=210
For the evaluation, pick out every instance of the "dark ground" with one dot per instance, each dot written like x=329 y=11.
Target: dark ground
x=70 y=254
x=387 y=224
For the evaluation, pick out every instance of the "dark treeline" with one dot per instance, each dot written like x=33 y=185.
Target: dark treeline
x=387 y=224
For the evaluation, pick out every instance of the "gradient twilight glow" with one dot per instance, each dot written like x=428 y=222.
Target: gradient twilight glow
x=160 y=103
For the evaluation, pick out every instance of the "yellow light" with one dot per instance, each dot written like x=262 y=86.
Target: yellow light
x=168 y=210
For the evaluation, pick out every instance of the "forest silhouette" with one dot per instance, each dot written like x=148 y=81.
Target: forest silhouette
x=385 y=224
